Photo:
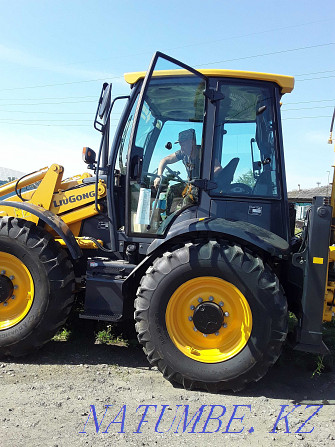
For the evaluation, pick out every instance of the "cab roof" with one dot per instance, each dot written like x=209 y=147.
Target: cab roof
x=286 y=83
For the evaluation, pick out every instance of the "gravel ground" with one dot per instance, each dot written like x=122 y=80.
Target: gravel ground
x=58 y=397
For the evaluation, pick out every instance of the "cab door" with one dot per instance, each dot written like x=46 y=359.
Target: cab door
x=166 y=147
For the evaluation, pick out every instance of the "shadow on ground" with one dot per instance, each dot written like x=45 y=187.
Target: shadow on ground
x=295 y=381
x=82 y=348
x=292 y=378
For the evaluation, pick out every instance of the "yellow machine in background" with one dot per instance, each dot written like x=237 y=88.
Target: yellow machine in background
x=71 y=199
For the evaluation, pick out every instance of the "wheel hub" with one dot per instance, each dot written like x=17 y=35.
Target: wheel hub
x=16 y=290
x=6 y=288
x=208 y=318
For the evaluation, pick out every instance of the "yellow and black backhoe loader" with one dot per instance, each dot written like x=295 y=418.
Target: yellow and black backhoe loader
x=185 y=218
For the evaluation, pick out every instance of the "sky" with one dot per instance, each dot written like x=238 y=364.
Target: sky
x=55 y=55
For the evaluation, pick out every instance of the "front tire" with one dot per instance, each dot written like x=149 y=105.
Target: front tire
x=36 y=286
x=211 y=316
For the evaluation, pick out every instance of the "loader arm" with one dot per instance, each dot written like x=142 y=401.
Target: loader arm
x=61 y=205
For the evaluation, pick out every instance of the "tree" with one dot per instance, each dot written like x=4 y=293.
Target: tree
x=247 y=179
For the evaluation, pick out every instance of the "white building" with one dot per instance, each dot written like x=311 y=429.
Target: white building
x=6 y=173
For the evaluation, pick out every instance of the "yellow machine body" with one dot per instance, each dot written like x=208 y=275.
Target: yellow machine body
x=71 y=199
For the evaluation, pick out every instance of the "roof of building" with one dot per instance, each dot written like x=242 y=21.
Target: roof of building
x=285 y=82
x=5 y=173
x=306 y=195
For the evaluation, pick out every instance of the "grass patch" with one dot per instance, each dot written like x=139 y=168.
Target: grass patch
x=62 y=335
x=107 y=336
x=316 y=363
x=292 y=321
x=326 y=363
x=320 y=366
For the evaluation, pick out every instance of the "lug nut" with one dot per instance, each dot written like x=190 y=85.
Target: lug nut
x=13 y=297
x=16 y=286
x=205 y=335
x=226 y=314
x=5 y=303
x=224 y=325
x=192 y=307
x=195 y=329
x=211 y=298
x=190 y=318
x=217 y=333
x=11 y=277
x=221 y=303
x=3 y=272
x=200 y=300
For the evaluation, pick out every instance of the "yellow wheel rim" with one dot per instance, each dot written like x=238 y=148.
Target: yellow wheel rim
x=225 y=342
x=15 y=308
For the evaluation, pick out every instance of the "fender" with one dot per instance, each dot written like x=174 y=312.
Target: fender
x=241 y=232
x=54 y=221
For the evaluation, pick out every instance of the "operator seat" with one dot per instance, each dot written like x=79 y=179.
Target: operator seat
x=226 y=175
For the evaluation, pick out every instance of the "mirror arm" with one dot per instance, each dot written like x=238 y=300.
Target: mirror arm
x=105 y=130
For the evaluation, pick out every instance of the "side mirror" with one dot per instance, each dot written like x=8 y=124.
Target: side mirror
x=104 y=100
x=88 y=156
x=103 y=109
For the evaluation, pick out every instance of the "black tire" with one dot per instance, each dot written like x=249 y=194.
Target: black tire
x=53 y=280
x=238 y=267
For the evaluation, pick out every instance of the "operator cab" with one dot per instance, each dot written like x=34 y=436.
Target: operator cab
x=233 y=167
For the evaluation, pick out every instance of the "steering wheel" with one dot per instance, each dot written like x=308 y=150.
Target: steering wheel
x=239 y=188
x=175 y=174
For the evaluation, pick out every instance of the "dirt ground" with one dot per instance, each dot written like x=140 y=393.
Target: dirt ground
x=78 y=393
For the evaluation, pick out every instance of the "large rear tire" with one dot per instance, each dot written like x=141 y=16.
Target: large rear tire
x=211 y=316
x=36 y=286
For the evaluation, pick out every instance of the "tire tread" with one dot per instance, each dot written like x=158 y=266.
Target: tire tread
x=237 y=256
x=60 y=275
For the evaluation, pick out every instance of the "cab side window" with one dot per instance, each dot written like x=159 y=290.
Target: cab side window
x=245 y=150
